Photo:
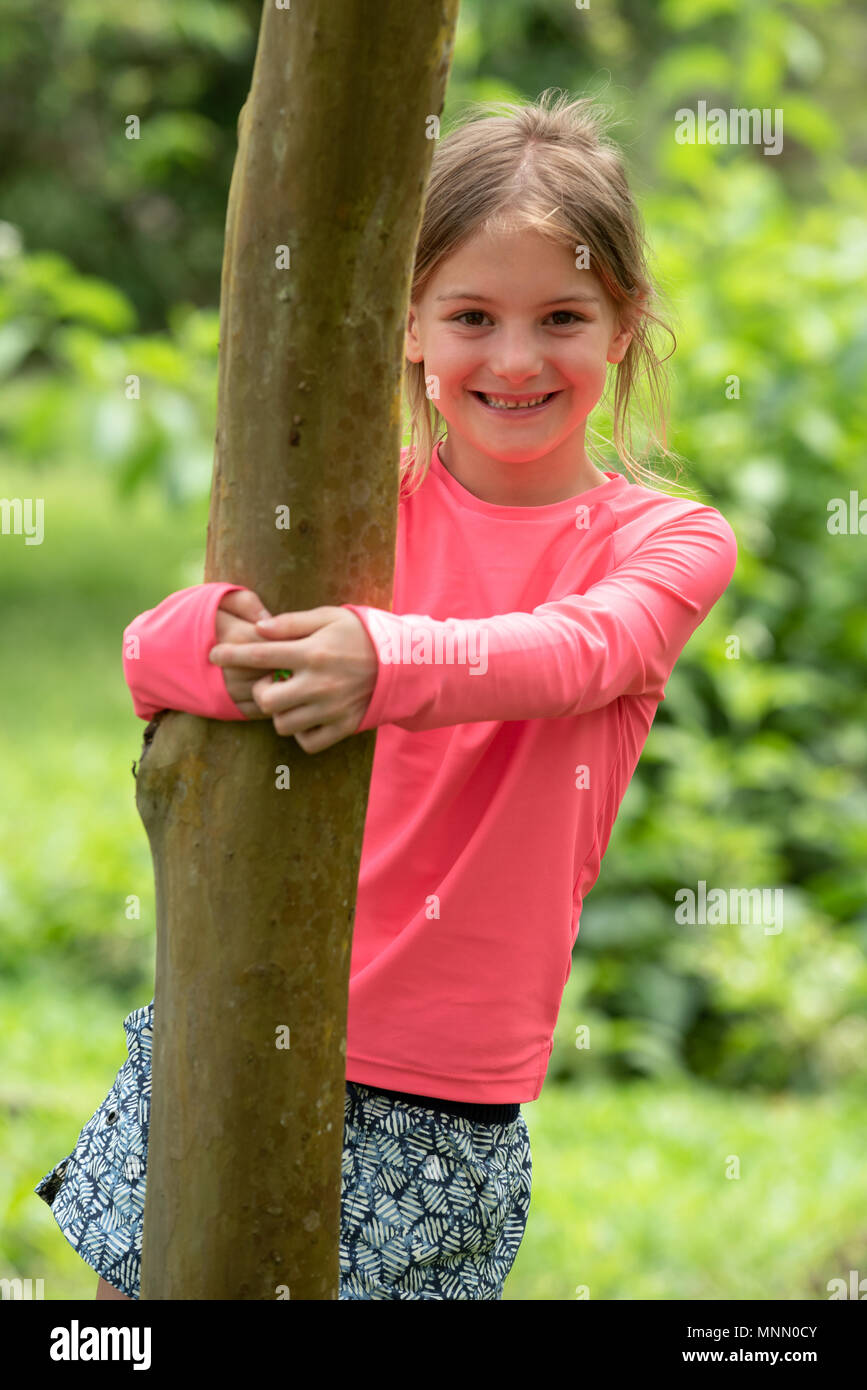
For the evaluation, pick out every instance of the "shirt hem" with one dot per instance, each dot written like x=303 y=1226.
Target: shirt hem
x=513 y=1091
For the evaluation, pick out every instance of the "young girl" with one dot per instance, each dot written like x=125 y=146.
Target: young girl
x=540 y=604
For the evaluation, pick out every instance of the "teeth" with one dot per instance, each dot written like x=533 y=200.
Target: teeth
x=500 y=404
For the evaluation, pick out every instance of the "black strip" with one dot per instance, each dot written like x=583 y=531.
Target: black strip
x=481 y=1114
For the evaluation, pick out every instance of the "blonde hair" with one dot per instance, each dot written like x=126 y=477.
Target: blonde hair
x=548 y=166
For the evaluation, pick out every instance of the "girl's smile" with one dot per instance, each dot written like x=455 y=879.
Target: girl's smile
x=515 y=407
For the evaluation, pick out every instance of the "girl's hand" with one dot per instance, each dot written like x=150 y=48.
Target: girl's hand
x=236 y=623
x=333 y=664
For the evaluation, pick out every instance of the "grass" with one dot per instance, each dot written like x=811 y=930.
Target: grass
x=652 y=1192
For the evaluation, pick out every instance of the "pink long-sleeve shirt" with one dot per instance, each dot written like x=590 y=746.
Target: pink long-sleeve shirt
x=519 y=675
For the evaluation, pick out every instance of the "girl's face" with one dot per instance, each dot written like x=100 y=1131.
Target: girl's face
x=509 y=316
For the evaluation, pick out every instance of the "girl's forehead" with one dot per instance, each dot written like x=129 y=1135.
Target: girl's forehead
x=517 y=266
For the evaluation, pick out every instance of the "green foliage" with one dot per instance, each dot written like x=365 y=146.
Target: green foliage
x=79 y=384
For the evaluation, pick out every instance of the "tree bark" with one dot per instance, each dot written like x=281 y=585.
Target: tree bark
x=256 y=881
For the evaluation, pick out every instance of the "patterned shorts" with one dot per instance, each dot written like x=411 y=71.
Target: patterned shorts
x=431 y=1205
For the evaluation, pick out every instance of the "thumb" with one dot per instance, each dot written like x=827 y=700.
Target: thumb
x=244 y=603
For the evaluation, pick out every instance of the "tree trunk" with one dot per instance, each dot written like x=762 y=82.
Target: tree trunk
x=256 y=880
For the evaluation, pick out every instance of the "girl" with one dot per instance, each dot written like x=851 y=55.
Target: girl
x=540 y=604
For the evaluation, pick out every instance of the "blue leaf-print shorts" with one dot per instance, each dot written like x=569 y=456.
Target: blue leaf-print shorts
x=432 y=1205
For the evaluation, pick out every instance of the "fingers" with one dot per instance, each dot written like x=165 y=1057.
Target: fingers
x=311 y=705
x=290 y=705
x=313 y=724
x=315 y=740
x=298 y=624
x=244 y=603
x=282 y=699
x=274 y=645
x=257 y=655
x=237 y=631
x=322 y=736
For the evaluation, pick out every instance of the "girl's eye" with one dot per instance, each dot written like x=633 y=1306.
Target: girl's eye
x=478 y=313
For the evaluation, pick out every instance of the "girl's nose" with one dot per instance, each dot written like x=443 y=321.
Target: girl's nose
x=514 y=360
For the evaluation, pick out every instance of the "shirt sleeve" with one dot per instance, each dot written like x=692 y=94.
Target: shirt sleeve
x=165 y=656
x=567 y=657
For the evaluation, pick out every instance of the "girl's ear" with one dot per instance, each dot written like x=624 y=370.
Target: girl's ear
x=619 y=343
x=413 y=342
x=626 y=321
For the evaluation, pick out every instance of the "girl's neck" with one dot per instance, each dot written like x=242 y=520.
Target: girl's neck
x=536 y=483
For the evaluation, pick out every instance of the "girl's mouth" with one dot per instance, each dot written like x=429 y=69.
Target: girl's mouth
x=515 y=408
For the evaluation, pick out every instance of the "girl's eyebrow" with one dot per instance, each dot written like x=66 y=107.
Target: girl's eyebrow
x=582 y=295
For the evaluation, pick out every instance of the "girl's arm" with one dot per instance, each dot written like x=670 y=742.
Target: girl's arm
x=575 y=654
x=165 y=656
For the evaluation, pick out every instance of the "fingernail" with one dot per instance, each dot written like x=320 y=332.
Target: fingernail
x=264 y=616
